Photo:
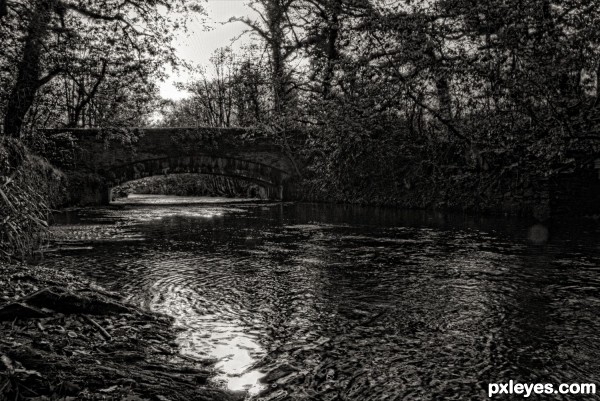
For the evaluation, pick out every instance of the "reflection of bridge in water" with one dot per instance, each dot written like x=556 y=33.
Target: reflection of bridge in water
x=230 y=152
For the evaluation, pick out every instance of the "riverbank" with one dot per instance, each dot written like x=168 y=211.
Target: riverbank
x=66 y=338
x=29 y=188
x=572 y=193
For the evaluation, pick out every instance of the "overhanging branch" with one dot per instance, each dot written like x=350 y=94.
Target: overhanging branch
x=3 y=8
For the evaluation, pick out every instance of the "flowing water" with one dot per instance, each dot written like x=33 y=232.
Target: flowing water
x=306 y=301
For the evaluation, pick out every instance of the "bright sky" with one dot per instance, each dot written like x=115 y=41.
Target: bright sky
x=203 y=38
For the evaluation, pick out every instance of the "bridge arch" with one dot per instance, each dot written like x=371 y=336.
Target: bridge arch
x=262 y=174
x=232 y=152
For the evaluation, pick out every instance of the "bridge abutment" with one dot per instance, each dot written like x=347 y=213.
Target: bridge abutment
x=106 y=196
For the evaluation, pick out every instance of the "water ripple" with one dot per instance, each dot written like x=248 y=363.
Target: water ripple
x=330 y=302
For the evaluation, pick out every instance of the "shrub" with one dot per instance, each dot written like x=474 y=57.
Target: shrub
x=29 y=187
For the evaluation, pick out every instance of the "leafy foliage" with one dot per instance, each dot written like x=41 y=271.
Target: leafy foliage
x=70 y=63
x=88 y=63
x=453 y=102
x=438 y=103
x=25 y=195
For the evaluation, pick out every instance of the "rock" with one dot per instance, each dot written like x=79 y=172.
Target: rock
x=276 y=396
x=19 y=310
x=67 y=302
x=69 y=388
x=278 y=373
x=128 y=356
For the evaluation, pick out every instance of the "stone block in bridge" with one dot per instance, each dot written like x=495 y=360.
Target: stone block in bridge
x=121 y=155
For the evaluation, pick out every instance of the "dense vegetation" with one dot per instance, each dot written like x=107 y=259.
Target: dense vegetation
x=93 y=63
x=71 y=64
x=445 y=103
x=26 y=193
x=466 y=104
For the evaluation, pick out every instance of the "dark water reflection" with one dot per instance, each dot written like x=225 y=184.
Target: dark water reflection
x=351 y=302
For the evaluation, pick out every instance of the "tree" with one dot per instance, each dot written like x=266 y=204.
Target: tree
x=140 y=29
x=229 y=93
x=275 y=27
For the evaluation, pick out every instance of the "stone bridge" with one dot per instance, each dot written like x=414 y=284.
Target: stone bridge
x=120 y=155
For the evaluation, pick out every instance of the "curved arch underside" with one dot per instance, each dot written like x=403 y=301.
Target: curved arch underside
x=198 y=164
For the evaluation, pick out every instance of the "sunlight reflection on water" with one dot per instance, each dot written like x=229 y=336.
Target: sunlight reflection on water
x=143 y=199
x=335 y=302
x=210 y=335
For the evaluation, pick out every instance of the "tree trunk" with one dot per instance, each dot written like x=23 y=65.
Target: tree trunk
x=444 y=97
x=332 y=36
x=278 y=85
x=275 y=15
x=3 y=8
x=28 y=76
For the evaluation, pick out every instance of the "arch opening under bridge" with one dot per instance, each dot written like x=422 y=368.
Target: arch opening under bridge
x=164 y=151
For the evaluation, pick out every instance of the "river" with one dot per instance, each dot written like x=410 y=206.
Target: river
x=310 y=301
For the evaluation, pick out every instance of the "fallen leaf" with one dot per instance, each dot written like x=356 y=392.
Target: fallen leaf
x=109 y=389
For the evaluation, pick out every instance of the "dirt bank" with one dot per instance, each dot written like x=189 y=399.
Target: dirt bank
x=64 y=338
